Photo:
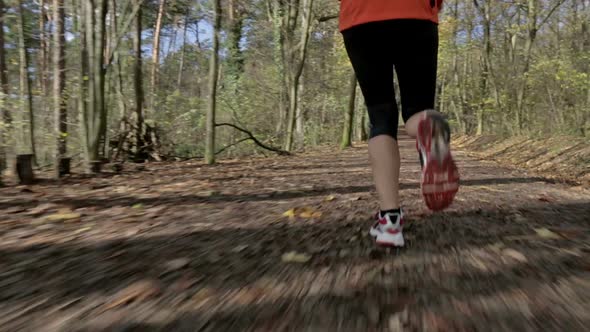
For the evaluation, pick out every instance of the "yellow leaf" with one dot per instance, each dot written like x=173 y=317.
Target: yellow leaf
x=137 y=206
x=329 y=198
x=306 y=214
x=290 y=213
x=317 y=214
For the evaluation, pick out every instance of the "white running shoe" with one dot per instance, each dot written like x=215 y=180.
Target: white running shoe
x=387 y=230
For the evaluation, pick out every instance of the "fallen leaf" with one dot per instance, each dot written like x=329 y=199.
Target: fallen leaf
x=395 y=323
x=373 y=312
x=329 y=198
x=63 y=216
x=177 y=264
x=295 y=257
x=202 y=296
x=514 y=254
x=155 y=211
x=343 y=253
x=40 y=209
x=546 y=234
x=82 y=230
x=497 y=247
x=240 y=248
x=546 y=199
x=140 y=290
x=571 y=233
x=435 y=322
x=184 y=283
x=358 y=198
x=14 y=210
x=289 y=213
x=137 y=206
x=206 y=193
x=517 y=217
x=308 y=213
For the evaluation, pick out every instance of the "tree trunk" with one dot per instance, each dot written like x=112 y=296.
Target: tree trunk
x=213 y=71
x=83 y=78
x=521 y=87
x=277 y=11
x=92 y=117
x=485 y=12
x=236 y=60
x=297 y=68
x=349 y=114
x=457 y=106
x=156 y=54
x=172 y=42
x=138 y=86
x=6 y=137
x=96 y=116
x=183 y=51
x=59 y=83
x=100 y=70
x=43 y=50
x=26 y=95
x=24 y=168
x=118 y=76
x=300 y=116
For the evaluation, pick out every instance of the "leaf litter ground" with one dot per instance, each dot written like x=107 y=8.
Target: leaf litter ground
x=281 y=244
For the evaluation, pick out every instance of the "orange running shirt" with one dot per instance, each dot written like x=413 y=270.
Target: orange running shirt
x=355 y=12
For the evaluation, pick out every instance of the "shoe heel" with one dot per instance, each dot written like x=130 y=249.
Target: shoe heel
x=390 y=240
x=424 y=138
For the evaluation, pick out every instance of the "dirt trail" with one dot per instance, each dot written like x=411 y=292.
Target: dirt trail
x=189 y=247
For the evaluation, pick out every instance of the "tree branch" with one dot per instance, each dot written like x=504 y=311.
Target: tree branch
x=123 y=31
x=477 y=5
x=327 y=18
x=256 y=141
x=233 y=144
x=559 y=3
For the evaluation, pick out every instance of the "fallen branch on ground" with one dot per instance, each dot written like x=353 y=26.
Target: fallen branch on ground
x=254 y=139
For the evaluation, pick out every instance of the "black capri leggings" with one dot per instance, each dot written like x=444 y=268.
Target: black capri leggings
x=409 y=46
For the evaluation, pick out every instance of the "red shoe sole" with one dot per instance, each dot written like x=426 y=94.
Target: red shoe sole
x=440 y=181
x=387 y=245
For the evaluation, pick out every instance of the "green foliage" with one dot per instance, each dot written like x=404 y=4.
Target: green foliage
x=249 y=95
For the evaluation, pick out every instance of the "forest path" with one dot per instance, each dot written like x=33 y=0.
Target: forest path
x=189 y=247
